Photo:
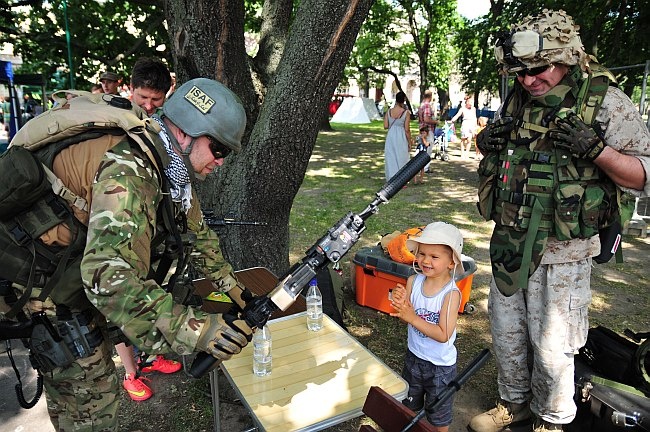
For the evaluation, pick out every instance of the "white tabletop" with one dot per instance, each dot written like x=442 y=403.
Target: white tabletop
x=319 y=378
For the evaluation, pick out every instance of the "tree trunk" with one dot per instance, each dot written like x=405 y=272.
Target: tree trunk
x=325 y=121
x=261 y=182
x=443 y=99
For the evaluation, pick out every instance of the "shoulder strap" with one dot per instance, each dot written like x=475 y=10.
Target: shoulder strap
x=79 y=119
x=597 y=84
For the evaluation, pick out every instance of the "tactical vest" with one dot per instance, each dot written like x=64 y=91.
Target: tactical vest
x=534 y=190
x=35 y=200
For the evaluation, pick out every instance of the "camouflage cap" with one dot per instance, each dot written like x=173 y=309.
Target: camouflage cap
x=540 y=40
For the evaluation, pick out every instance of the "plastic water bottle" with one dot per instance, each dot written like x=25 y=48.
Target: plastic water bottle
x=262 y=358
x=314 y=307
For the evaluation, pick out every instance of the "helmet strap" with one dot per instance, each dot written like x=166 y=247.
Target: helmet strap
x=186 y=159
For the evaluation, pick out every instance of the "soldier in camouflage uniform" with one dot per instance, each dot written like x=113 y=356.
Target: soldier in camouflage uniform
x=201 y=124
x=563 y=139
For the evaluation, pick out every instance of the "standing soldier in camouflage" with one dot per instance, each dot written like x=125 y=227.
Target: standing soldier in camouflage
x=200 y=125
x=560 y=164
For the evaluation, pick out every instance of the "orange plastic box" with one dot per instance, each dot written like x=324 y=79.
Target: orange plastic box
x=376 y=274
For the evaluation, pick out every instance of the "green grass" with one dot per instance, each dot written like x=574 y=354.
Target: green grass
x=345 y=172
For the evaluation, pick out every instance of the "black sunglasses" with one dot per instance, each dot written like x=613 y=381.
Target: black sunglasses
x=532 y=72
x=218 y=150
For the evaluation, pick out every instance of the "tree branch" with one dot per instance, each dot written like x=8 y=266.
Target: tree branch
x=397 y=82
x=276 y=16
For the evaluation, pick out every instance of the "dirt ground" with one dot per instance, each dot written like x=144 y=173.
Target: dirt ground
x=620 y=300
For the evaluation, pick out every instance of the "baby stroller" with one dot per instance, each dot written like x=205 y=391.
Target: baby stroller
x=440 y=142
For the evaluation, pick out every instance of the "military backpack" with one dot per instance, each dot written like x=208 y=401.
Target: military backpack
x=33 y=200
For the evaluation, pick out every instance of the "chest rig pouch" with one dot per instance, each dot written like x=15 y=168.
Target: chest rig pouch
x=533 y=190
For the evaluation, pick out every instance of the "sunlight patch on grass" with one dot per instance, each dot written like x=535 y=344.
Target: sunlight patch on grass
x=328 y=172
x=615 y=280
x=599 y=302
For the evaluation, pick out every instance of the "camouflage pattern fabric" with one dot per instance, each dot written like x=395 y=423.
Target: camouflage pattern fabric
x=523 y=188
x=507 y=257
x=548 y=321
x=539 y=186
x=536 y=331
x=115 y=264
x=84 y=396
x=625 y=131
x=122 y=189
x=553 y=26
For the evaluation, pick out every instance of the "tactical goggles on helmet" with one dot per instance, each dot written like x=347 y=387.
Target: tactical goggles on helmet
x=218 y=150
x=503 y=51
x=513 y=47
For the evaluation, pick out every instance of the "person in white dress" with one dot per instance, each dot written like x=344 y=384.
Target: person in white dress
x=398 y=139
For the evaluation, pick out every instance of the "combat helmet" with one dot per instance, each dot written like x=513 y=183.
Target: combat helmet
x=202 y=106
x=540 y=40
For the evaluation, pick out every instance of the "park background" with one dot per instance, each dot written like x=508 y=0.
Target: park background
x=285 y=60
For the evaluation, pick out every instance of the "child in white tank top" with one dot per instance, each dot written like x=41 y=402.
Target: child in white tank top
x=429 y=305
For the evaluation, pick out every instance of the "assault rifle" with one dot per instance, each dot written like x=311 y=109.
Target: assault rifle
x=330 y=248
x=215 y=222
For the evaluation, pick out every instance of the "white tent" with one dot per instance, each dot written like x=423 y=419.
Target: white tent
x=356 y=110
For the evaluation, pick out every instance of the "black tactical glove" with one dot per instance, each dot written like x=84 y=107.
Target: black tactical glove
x=577 y=137
x=494 y=136
x=224 y=335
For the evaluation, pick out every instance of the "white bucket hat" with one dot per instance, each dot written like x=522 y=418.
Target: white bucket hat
x=439 y=233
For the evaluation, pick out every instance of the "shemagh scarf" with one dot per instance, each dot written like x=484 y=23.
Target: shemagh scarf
x=179 y=180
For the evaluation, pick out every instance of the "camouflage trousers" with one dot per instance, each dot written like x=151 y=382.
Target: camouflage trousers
x=536 y=333
x=84 y=396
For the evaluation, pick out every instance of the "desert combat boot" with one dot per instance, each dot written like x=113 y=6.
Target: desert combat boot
x=503 y=415
x=543 y=426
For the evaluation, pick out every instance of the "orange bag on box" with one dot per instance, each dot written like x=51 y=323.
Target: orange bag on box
x=394 y=244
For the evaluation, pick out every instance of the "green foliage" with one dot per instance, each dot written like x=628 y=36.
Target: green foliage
x=379 y=45
x=405 y=36
x=432 y=24
x=476 y=65
x=253 y=11
x=104 y=35
x=613 y=31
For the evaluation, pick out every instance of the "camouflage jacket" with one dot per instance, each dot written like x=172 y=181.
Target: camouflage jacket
x=626 y=132
x=123 y=191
